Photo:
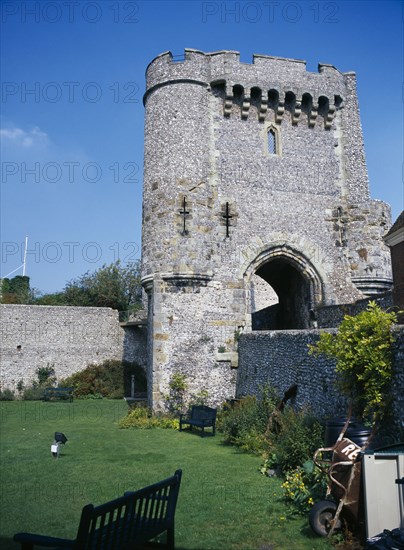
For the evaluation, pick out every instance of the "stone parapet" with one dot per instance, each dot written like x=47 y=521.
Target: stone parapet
x=65 y=338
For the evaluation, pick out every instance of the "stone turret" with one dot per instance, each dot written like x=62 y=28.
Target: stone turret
x=256 y=208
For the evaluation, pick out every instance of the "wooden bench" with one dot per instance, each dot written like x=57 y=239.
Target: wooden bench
x=61 y=393
x=200 y=416
x=125 y=523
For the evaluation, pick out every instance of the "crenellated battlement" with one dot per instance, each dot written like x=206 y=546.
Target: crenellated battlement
x=269 y=82
x=260 y=61
x=256 y=208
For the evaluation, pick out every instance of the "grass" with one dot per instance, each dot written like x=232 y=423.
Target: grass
x=224 y=503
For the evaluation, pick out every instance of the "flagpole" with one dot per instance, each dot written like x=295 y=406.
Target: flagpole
x=25 y=255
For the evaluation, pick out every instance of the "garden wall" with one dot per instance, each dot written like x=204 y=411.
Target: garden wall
x=332 y=316
x=280 y=359
x=67 y=338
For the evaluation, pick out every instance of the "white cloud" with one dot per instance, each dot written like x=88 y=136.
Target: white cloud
x=22 y=138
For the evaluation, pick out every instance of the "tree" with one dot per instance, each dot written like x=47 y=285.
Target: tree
x=113 y=285
x=16 y=290
x=53 y=299
x=363 y=349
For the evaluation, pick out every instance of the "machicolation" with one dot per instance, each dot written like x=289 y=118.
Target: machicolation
x=256 y=208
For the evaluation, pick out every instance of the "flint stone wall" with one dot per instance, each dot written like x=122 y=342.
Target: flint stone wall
x=332 y=316
x=220 y=205
x=281 y=358
x=67 y=338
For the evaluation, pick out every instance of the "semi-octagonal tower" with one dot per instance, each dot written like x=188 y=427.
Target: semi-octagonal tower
x=256 y=208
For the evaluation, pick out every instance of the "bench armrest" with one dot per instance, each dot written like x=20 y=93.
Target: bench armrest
x=28 y=540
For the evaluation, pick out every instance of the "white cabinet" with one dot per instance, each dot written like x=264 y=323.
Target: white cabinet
x=384 y=497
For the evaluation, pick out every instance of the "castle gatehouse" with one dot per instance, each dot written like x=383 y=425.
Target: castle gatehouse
x=256 y=209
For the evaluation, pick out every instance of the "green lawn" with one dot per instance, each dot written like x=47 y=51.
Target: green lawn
x=224 y=502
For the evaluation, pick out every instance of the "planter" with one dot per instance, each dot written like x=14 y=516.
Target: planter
x=356 y=431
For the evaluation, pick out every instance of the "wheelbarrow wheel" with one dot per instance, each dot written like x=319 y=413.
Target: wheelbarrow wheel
x=321 y=516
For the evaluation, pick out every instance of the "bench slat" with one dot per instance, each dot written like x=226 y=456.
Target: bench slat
x=200 y=416
x=130 y=520
x=58 y=392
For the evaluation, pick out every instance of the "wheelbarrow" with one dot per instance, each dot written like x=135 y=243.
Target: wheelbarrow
x=343 y=468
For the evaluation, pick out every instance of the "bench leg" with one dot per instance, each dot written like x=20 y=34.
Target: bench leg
x=170 y=539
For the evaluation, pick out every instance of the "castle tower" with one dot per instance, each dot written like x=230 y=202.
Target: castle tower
x=256 y=208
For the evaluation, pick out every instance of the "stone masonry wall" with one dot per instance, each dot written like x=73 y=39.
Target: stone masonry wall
x=67 y=338
x=220 y=207
x=189 y=330
x=332 y=316
x=280 y=359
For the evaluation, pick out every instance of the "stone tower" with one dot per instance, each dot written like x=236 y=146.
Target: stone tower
x=256 y=208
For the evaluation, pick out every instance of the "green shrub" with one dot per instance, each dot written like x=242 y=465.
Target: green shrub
x=46 y=376
x=244 y=424
x=45 y=379
x=303 y=486
x=286 y=439
x=7 y=395
x=110 y=379
x=142 y=417
x=294 y=437
x=33 y=393
x=178 y=386
x=363 y=349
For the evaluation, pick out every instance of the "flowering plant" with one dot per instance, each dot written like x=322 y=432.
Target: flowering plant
x=303 y=486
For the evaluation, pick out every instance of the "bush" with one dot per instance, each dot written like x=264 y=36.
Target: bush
x=7 y=395
x=363 y=349
x=286 y=439
x=303 y=486
x=33 y=393
x=142 y=417
x=294 y=437
x=175 y=399
x=110 y=379
x=45 y=378
x=245 y=423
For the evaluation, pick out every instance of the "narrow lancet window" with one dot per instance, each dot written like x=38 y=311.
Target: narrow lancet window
x=272 y=145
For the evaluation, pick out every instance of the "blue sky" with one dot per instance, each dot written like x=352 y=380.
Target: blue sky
x=72 y=113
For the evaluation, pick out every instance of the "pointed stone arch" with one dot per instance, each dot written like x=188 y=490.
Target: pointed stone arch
x=295 y=280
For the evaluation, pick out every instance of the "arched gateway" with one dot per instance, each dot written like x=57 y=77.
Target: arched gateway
x=256 y=209
x=297 y=289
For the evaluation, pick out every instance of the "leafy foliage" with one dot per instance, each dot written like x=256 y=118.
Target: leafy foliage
x=142 y=417
x=109 y=379
x=286 y=439
x=6 y=395
x=294 y=436
x=45 y=379
x=303 y=486
x=55 y=299
x=245 y=423
x=178 y=386
x=46 y=375
x=363 y=351
x=112 y=286
x=16 y=290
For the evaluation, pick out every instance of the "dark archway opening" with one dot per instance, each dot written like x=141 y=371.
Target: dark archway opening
x=294 y=303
